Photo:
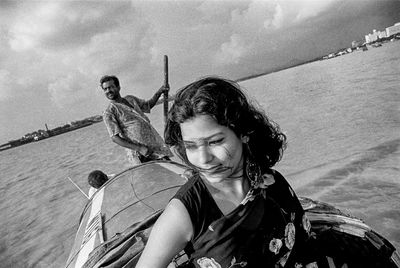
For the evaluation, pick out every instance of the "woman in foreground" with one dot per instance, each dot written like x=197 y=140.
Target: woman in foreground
x=234 y=211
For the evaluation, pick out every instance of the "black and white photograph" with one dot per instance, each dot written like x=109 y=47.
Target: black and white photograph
x=200 y=133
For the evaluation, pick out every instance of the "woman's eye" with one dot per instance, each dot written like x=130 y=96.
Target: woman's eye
x=190 y=146
x=216 y=142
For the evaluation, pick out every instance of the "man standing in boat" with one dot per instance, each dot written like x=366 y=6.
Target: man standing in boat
x=129 y=127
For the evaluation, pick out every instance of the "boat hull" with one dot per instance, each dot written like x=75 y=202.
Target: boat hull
x=116 y=223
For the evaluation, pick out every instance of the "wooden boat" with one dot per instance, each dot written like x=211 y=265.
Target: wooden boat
x=117 y=220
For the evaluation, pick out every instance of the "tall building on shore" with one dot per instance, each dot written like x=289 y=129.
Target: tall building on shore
x=376 y=35
x=392 y=30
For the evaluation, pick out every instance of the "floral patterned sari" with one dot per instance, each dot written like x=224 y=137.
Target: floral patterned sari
x=265 y=230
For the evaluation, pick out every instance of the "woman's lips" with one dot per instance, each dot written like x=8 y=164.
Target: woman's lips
x=215 y=169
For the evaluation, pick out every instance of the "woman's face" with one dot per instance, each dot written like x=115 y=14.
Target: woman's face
x=214 y=149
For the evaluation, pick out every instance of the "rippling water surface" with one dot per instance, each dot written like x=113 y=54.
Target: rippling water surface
x=342 y=119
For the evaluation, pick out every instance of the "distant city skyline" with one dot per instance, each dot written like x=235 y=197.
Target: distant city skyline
x=40 y=134
x=52 y=53
x=379 y=34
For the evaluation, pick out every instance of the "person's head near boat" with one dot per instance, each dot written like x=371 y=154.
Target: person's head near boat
x=97 y=178
x=234 y=209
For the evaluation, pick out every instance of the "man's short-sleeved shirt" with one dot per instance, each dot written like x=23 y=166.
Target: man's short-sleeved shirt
x=130 y=122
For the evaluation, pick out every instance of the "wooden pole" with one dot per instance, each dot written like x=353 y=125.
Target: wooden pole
x=166 y=85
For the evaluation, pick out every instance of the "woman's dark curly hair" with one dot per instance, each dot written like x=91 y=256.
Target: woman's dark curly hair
x=223 y=100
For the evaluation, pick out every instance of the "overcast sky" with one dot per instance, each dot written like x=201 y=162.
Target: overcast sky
x=52 y=53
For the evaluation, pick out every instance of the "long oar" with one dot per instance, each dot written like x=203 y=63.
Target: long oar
x=78 y=188
x=166 y=85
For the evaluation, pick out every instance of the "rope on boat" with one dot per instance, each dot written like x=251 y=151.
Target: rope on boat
x=78 y=188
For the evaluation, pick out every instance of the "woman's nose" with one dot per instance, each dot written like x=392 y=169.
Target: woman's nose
x=204 y=154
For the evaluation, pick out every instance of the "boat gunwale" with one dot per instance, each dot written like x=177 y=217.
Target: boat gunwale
x=116 y=177
x=109 y=182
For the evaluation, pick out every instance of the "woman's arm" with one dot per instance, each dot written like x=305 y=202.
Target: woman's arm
x=170 y=234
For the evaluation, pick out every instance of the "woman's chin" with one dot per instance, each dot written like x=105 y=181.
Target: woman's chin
x=213 y=177
x=217 y=178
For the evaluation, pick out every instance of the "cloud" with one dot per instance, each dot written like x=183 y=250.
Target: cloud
x=5 y=85
x=31 y=25
x=63 y=24
x=257 y=23
x=13 y=86
x=248 y=25
x=277 y=20
x=231 y=51
x=129 y=39
x=125 y=51
x=276 y=14
x=68 y=90
x=49 y=48
x=311 y=8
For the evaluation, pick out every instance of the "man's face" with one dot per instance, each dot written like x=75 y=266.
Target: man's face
x=110 y=90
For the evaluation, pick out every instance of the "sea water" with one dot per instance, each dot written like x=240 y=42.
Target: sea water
x=341 y=117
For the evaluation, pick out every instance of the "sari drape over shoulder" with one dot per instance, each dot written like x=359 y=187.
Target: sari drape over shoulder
x=265 y=230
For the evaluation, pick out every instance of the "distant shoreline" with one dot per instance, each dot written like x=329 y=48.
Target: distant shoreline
x=340 y=52
x=274 y=70
x=50 y=133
